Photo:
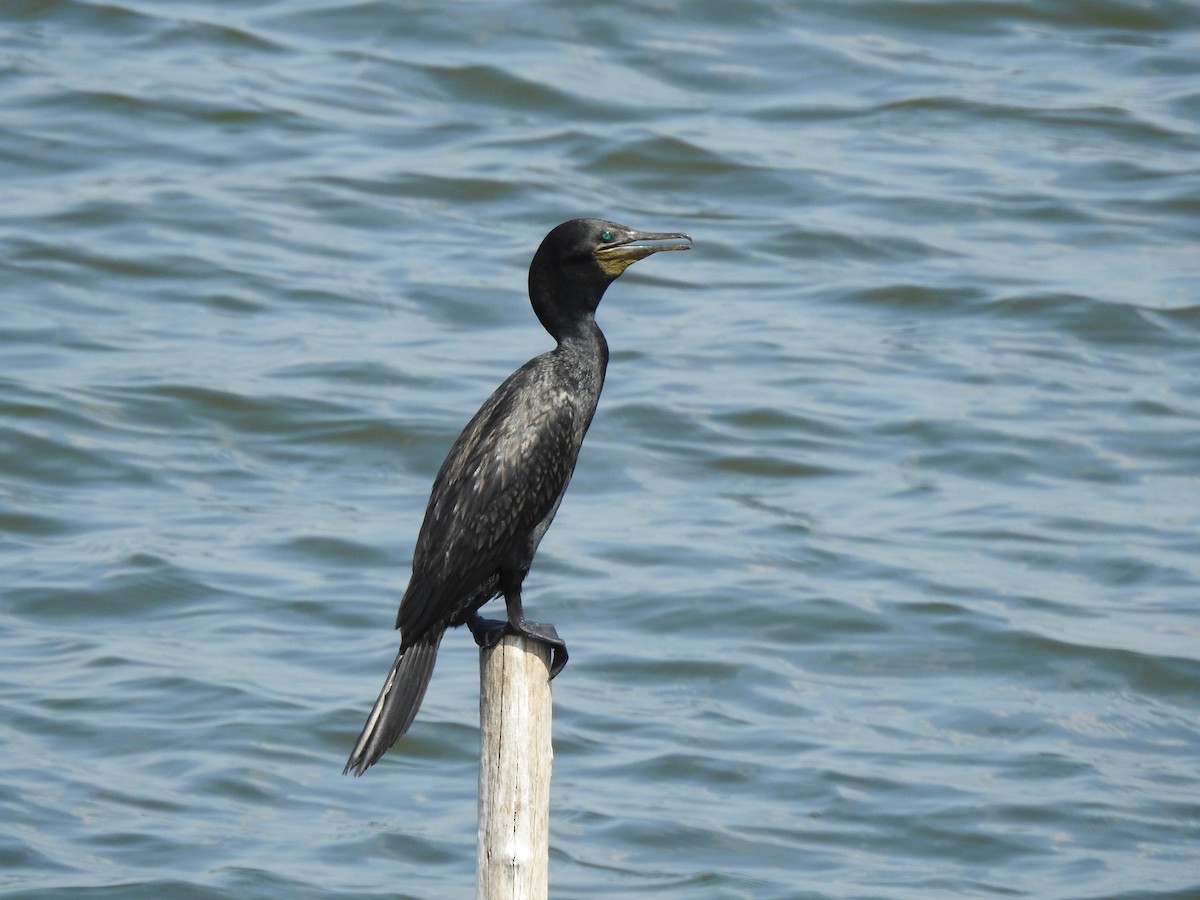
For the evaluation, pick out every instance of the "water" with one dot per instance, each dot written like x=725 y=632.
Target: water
x=880 y=568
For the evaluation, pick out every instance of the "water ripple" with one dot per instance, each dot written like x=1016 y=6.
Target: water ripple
x=880 y=563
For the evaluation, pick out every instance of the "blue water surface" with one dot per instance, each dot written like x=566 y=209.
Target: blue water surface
x=880 y=569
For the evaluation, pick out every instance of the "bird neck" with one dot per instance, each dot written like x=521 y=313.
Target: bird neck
x=580 y=361
x=585 y=340
x=565 y=299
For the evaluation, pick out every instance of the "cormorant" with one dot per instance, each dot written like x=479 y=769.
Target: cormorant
x=501 y=483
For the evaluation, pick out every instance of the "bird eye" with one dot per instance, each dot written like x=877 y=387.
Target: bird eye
x=606 y=235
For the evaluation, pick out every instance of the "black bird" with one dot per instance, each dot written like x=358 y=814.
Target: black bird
x=501 y=483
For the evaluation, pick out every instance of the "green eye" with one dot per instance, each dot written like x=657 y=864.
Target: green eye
x=606 y=235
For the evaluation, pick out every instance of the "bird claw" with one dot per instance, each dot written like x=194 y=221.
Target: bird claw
x=488 y=633
x=548 y=635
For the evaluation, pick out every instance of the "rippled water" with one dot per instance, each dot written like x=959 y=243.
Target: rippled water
x=881 y=566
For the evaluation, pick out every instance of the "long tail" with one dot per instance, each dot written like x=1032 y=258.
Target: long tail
x=398 y=703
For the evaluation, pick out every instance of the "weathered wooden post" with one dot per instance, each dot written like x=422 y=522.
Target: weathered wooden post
x=514 y=770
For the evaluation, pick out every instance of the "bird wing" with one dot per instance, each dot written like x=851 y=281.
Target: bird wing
x=504 y=474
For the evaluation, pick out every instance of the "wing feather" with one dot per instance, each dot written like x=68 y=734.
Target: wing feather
x=504 y=474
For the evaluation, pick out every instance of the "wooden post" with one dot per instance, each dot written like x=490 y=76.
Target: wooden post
x=514 y=770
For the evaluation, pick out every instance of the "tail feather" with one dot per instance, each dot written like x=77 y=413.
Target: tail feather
x=397 y=704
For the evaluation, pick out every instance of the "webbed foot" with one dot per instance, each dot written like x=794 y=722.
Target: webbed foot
x=488 y=632
x=547 y=634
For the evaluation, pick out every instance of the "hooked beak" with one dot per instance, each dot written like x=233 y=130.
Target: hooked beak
x=630 y=246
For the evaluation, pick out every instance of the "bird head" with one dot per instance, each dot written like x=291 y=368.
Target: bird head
x=580 y=258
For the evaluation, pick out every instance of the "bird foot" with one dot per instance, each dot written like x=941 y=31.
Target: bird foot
x=547 y=634
x=488 y=632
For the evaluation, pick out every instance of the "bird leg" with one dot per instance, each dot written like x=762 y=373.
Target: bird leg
x=488 y=632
